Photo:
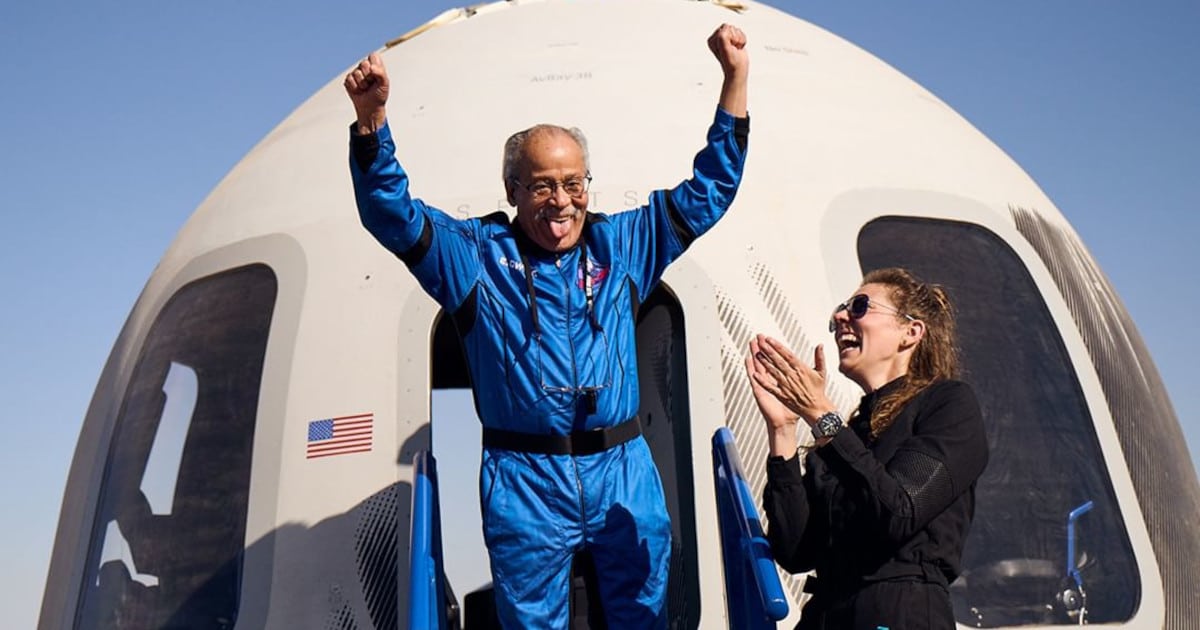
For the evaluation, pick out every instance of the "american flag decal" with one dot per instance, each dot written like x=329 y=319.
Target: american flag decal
x=338 y=436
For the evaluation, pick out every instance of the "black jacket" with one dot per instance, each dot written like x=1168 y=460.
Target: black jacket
x=892 y=510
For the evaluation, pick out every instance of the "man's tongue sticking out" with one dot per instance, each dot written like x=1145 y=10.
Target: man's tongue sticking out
x=560 y=226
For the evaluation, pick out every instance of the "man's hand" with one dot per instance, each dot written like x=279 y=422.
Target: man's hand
x=728 y=45
x=367 y=86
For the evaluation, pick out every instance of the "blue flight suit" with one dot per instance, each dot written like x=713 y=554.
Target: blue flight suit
x=551 y=353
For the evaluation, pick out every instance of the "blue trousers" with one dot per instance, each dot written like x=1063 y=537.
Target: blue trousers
x=538 y=510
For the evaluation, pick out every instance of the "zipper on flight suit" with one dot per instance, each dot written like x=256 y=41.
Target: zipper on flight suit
x=575 y=384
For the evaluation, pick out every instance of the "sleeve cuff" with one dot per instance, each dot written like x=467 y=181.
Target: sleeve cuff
x=365 y=148
x=845 y=446
x=726 y=119
x=784 y=471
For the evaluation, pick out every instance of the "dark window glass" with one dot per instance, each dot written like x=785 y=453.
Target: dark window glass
x=1045 y=457
x=166 y=545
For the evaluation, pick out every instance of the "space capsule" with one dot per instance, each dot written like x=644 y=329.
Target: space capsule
x=207 y=489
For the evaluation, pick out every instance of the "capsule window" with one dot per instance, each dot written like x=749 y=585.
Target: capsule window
x=1046 y=461
x=166 y=547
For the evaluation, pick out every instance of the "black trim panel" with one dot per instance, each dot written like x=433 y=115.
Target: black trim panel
x=415 y=254
x=681 y=227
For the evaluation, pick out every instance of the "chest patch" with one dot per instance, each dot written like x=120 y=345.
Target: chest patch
x=595 y=270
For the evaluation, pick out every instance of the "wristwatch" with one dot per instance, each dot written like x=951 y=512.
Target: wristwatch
x=828 y=425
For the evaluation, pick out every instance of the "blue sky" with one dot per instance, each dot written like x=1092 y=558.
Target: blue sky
x=117 y=119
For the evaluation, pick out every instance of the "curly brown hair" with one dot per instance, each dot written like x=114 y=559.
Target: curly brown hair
x=936 y=356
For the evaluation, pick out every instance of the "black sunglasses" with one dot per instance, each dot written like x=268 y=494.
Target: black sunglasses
x=857 y=308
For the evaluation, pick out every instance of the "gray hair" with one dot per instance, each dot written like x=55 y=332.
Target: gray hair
x=514 y=147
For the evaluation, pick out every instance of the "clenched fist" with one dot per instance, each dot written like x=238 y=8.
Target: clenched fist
x=367 y=86
x=728 y=45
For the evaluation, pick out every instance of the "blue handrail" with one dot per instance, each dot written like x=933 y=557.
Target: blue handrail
x=745 y=549
x=1072 y=568
x=426 y=586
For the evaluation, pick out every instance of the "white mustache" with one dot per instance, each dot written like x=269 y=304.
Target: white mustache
x=541 y=214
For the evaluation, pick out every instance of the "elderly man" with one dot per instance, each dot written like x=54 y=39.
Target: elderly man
x=545 y=308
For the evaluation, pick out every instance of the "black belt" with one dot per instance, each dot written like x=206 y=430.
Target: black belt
x=577 y=443
x=923 y=572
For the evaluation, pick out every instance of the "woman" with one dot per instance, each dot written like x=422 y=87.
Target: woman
x=882 y=511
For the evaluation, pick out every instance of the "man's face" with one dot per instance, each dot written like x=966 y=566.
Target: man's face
x=555 y=220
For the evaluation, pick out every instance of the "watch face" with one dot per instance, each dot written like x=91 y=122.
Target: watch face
x=827 y=425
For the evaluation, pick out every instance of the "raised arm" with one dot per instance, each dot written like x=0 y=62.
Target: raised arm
x=441 y=254
x=367 y=86
x=796 y=524
x=659 y=232
x=728 y=45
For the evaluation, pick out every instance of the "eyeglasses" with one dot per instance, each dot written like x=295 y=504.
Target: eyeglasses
x=599 y=363
x=574 y=187
x=857 y=308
